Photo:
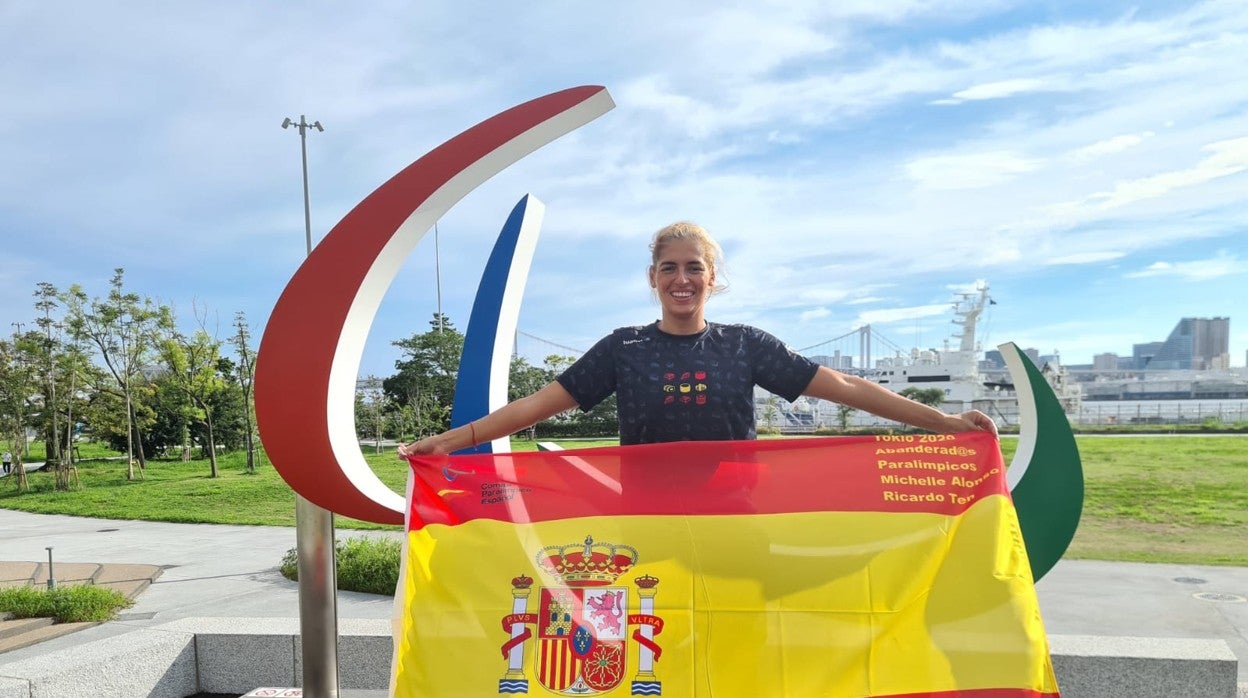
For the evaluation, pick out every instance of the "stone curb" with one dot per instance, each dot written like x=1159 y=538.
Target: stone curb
x=236 y=655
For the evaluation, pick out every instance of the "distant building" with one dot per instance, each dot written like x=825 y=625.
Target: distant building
x=838 y=361
x=992 y=360
x=1141 y=354
x=1194 y=344
x=1105 y=362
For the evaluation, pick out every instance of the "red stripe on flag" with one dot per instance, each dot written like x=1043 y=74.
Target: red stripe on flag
x=929 y=473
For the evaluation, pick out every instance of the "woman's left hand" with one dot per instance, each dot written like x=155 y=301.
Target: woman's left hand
x=972 y=420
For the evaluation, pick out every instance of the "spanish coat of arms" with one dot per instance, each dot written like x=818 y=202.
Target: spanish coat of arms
x=581 y=643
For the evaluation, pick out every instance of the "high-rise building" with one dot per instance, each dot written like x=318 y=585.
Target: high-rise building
x=1105 y=362
x=1141 y=354
x=992 y=360
x=1195 y=343
x=837 y=361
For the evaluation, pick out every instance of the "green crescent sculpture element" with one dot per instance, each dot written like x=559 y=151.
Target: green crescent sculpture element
x=1046 y=475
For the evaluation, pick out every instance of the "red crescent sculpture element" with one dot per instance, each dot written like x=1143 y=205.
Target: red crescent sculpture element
x=310 y=354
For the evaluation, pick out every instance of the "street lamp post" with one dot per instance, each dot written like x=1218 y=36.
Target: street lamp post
x=303 y=127
x=314 y=538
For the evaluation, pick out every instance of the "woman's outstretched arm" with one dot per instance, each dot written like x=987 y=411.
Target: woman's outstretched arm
x=864 y=395
x=506 y=420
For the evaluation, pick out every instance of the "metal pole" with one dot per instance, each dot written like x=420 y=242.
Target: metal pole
x=51 y=576
x=318 y=598
x=437 y=273
x=307 y=210
x=314 y=544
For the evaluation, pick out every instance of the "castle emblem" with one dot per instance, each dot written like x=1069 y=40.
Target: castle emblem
x=581 y=646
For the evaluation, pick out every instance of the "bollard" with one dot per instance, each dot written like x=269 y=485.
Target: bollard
x=51 y=577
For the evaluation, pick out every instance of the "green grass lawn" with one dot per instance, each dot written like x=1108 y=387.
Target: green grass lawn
x=1151 y=499
x=1163 y=499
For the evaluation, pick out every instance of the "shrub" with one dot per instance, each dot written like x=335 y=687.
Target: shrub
x=73 y=604
x=26 y=602
x=370 y=565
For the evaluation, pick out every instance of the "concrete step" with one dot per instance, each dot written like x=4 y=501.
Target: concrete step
x=17 y=626
x=130 y=580
x=114 y=573
x=40 y=634
x=17 y=574
x=65 y=573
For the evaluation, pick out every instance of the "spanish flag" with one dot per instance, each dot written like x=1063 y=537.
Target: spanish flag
x=846 y=567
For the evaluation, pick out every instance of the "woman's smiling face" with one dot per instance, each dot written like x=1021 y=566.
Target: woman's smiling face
x=683 y=277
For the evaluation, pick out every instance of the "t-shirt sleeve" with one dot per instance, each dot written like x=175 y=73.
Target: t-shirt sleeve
x=592 y=378
x=777 y=368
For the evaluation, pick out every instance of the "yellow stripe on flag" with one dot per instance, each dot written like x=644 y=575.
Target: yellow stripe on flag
x=835 y=603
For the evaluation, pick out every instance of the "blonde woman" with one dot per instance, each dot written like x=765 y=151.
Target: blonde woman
x=683 y=378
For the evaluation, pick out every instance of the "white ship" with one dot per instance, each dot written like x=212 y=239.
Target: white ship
x=956 y=369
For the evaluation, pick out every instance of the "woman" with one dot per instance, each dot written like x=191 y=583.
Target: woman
x=686 y=379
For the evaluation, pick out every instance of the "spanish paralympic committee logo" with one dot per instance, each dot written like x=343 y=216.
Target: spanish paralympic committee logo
x=581 y=648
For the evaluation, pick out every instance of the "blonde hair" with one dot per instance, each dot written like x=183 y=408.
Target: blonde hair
x=692 y=232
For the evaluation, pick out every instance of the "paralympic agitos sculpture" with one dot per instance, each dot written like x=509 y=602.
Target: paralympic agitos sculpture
x=312 y=345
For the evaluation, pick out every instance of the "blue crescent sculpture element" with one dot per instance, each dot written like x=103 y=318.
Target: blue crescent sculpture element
x=485 y=364
x=1046 y=474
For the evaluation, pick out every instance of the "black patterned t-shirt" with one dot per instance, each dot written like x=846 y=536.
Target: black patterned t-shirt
x=686 y=387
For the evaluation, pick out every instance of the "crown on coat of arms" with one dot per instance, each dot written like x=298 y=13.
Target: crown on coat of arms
x=587 y=564
x=646 y=581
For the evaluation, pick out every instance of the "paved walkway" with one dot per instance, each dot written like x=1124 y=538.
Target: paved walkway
x=205 y=570
x=231 y=571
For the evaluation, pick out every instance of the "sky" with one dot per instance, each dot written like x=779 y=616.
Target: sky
x=859 y=161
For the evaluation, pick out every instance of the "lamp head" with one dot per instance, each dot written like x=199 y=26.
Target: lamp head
x=318 y=127
x=286 y=123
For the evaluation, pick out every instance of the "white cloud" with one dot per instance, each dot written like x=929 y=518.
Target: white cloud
x=998 y=90
x=1195 y=270
x=970 y=170
x=1109 y=146
x=798 y=132
x=1229 y=157
x=1085 y=258
x=816 y=314
x=880 y=317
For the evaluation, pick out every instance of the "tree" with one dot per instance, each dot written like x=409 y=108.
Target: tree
x=45 y=302
x=172 y=415
x=121 y=327
x=843 y=413
x=426 y=377
x=371 y=406
x=15 y=379
x=76 y=365
x=246 y=371
x=932 y=397
x=229 y=424
x=192 y=363
x=62 y=363
x=526 y=379
x=602 y=420
x=770 y=412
